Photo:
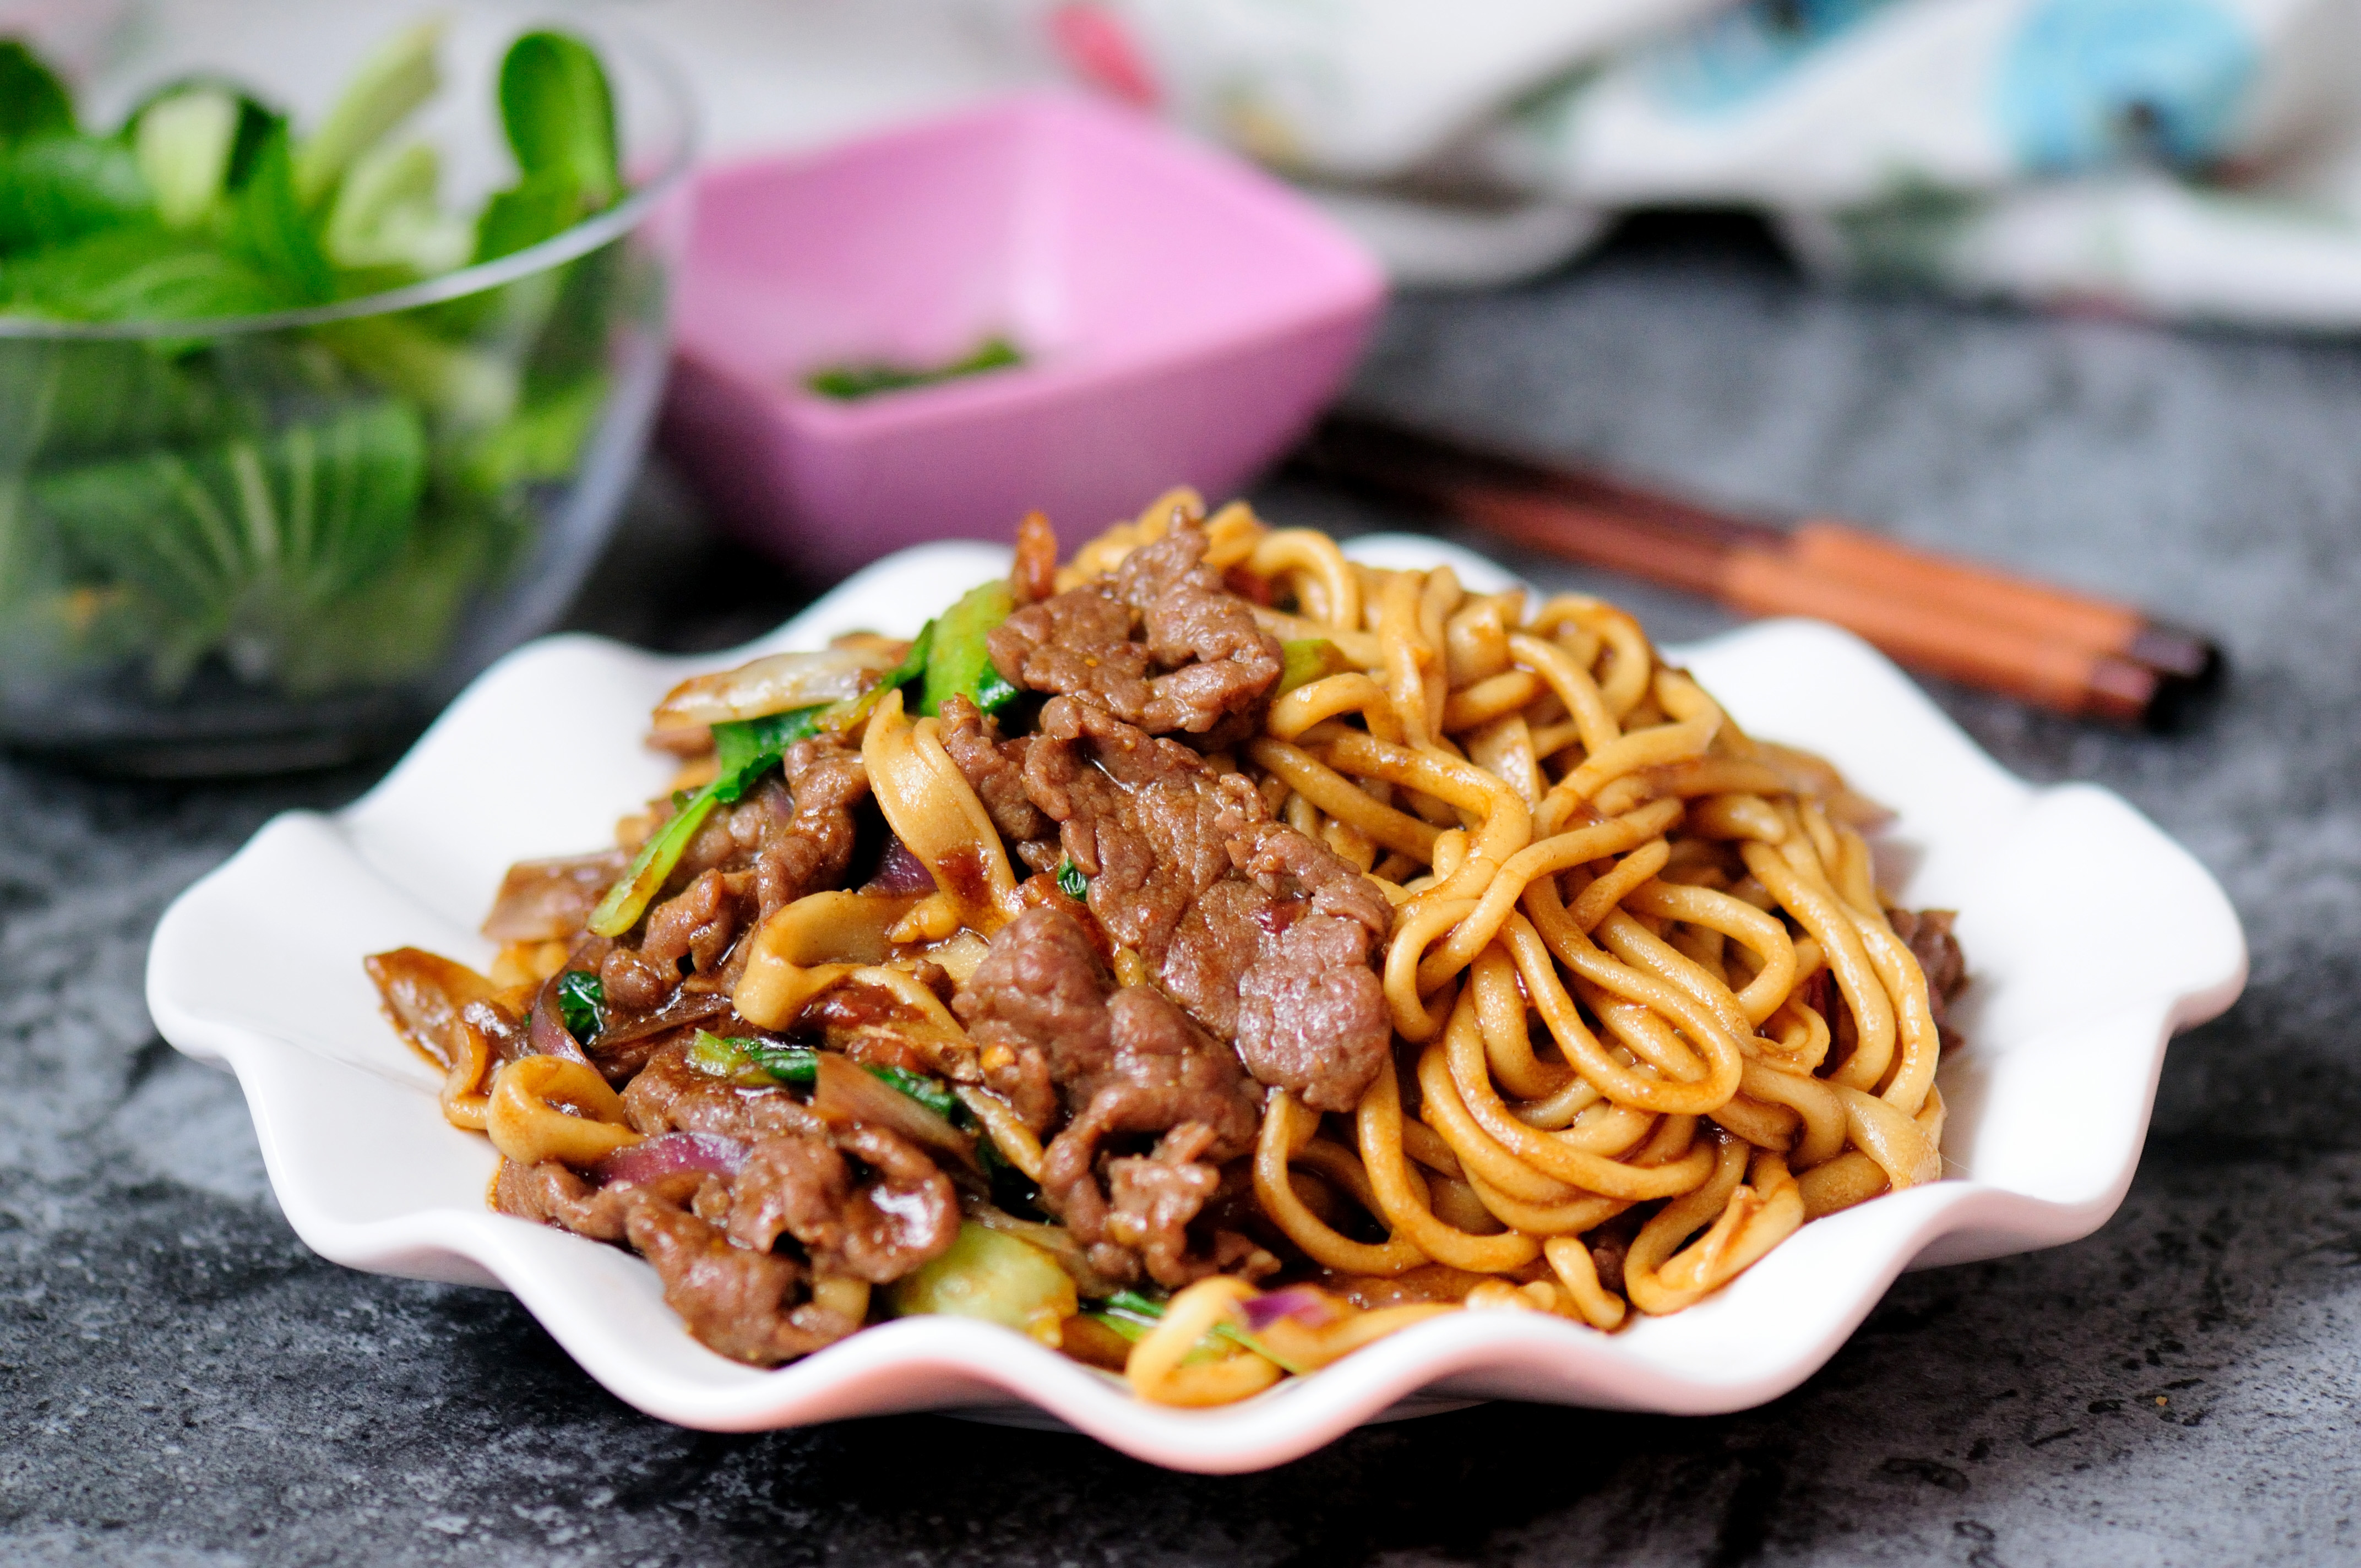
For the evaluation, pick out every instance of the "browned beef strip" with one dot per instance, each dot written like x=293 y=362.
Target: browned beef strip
x=878 y=1231
x=1162 y=644
x=735 y=1300
x=1267 y=937
x=548 y=901
x=1036 y=1008
x=1144 y=818
x=995 y=769
x=1152 y=1200
x=669 y=1095
x=1312 y=1015
x=1163 y=1074
x=698 y=924
x=551 y=1194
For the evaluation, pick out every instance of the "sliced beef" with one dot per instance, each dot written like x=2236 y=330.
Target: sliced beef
x=1160 y=643
x=735 y=1300
x=1267 y=937
x=669 y=1095
x=551 y=1194
x=696 y=924
x=1036 y=1008
x=1163 y=1075
x=994 y=769
x=800 y=1185
x=1312 y=1015
x=1144 y=818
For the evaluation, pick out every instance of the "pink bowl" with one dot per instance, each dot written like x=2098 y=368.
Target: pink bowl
x=1182 y=317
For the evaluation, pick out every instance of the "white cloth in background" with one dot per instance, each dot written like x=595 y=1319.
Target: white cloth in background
x=2197 y=159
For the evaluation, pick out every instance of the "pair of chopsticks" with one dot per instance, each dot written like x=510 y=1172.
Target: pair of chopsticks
x=2070 y=653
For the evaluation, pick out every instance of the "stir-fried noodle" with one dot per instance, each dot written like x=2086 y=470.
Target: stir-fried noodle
x=1207 y=957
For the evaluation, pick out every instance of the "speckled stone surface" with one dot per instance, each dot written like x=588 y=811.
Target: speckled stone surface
x=181 y=1382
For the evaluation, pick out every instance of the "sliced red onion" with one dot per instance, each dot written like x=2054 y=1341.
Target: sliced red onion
x=670 y=1155
x=1301 y=1302
x=900 y=874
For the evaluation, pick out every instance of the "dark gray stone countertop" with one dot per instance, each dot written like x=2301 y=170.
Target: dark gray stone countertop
x=180 y=1381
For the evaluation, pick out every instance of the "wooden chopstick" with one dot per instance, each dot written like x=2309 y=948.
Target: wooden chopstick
x=2070 y=653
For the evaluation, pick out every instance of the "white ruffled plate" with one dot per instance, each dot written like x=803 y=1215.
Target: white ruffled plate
x=2091 y=937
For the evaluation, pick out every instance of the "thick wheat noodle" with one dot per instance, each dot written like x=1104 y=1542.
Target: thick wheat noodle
x=1648 y=953
x=1454 y=1070
x=1501 y=1005
x=1315 y=556
x=1405 y=1210
x=1316 y=701
x=1839 y=939
x=1594 y=722
x=1288 y=1131
x=1596 y=1066
x=1562 y=853
x=1740 y=921
x=1495 y=697
x=1598 y=900
x=1342 y=799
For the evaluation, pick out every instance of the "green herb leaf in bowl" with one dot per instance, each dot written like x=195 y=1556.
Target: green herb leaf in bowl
x=849 y=383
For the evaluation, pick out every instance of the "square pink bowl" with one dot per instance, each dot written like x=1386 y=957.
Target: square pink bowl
x=1183 y=318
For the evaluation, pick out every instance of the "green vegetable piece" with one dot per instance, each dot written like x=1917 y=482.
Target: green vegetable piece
x=136 y=274
x=960 y=663
x=559 y=116
x=58 y=189
x=385 y=215
x=1132 y=1314
x=990 y=1274
x=182 y=143
x=625 y=902
x=232 y=546
x=521 y=218
x=795 y=1066
x=395 y=78
x=849 y=383
x=269 y=228
x=582 y=1003
x=752 y=1064
x=744 y=748
x=1071 y=880
x=923 y=1089
x=33 y=102
x=1303 y=659
x=1016 y=1192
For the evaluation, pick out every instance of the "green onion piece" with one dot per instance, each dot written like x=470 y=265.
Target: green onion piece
x=960 y=663
x=923 y=1089
x=1132 y=1314
x=1303 y=659
x=582 y=1003
x=1071 y=880
x=620 y=909
x=752 y=1064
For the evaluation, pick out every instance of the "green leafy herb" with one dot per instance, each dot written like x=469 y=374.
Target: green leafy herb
x=398 y=76
x=33 y=102
x=269 y=228
x=58 y=187
x=315 y=508
x=1071 y=880
x=582 y=1003
x=849 y=383
x=960 y=663
x=559 y=114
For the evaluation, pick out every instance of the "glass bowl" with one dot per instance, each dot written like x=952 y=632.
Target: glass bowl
x=284 y=540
